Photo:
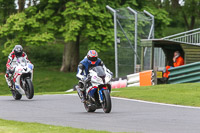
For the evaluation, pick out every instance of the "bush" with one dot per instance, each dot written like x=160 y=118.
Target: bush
x=45 y=56
x=42 y=56
x=3 y=60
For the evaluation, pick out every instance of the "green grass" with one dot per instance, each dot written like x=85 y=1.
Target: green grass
x=46 y=82
x=7 y=126
x=181 y=94
x=51 y=81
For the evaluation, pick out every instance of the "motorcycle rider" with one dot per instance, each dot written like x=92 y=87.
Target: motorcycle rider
x=12 y=59
x=91 y=60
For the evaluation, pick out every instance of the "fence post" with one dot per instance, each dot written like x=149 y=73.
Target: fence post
x=151 y=33
x=135 y=58
x=115 y=35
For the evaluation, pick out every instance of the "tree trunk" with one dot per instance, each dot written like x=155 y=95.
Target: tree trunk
x=21 y=4
x=186 y=21
x=35 y=2
x=70 y=57
x=29 y=3
x=175 y=4
x=192 y=23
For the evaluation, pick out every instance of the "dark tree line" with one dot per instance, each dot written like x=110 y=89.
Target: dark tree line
x=74 y=22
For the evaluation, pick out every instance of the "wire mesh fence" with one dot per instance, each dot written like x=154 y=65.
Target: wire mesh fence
x=125 y=35
x=129 y=30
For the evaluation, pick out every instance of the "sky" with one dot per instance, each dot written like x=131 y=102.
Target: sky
x=17 y=4
x=180 y=2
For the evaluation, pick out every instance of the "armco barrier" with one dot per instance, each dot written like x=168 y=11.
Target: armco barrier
x=133 y=78
x=119 y=84
x=145 y=78
x=189 y=73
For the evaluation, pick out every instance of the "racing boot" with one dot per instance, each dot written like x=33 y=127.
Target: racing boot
x=8 y=80
x=83 y=99
x=81 y=93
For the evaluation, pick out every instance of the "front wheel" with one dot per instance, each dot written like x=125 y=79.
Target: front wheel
x=16 y=95
x=106 y=105
x=29 y=90
x=89 y=108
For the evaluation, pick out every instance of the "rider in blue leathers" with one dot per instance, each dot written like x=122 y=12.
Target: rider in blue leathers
x=84 y=66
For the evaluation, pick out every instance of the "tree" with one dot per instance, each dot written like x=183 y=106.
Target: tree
x=7 y=7
x=184 y=12
x=21 y=5
x=74 y=22
x=161 y=16
x=88 y=20
x=190 y=12
x=84 y=20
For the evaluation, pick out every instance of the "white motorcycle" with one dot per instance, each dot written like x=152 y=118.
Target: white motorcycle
x=97 y=90
x=22 y=79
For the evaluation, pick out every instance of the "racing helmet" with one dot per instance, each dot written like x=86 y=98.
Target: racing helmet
x=92 y=56
x=18 y=50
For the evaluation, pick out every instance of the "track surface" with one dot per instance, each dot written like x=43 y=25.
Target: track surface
x=126 y=116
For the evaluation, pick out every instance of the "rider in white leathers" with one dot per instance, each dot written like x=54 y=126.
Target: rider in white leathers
x=12 y=58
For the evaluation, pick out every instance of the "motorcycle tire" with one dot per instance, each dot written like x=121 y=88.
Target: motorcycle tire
x=29 y=90
x=89 y=108
x=106 y=105
x=16 y=95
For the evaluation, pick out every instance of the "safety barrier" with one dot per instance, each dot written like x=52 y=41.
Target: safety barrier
x=145 y=78
x=119 y=84
x=189 y=73
x=133 y=80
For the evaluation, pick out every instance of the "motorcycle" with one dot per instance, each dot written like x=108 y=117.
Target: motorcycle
x=22 y=79
x=97 y=90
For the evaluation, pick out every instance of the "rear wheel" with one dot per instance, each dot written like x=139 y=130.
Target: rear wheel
x=106 y=105
x=29 y=90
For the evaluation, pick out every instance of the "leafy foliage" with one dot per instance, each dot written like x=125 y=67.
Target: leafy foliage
x=162 y=20
x=7 y=7
x=86 y=22
x=184 y=13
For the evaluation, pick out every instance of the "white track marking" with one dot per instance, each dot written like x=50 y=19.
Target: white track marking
x=73 y=94
x=156 y=103
x=163 y=104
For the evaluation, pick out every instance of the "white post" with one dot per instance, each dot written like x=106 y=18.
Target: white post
x=115 y=35
x=135 y=58
x=152 y=26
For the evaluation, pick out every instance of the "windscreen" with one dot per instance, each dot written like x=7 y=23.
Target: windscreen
x=99 y=70
x=21 y=61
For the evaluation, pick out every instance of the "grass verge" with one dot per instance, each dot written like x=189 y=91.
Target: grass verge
x=7 y=126
x=52 y=81
x=181 y=94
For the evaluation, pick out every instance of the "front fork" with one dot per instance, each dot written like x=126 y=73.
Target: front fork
x=18 y=86
x=100 y=92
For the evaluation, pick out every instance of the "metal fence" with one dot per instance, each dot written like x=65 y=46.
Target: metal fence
x=130 y=27
x=189 y=73
x=125 y=38
x=189 y=37
x=125 y=32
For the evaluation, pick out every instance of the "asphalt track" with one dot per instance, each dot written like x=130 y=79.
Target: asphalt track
x=126 y=115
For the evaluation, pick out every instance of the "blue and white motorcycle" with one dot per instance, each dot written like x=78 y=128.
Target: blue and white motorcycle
x=22 y=79
x=97 y=90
